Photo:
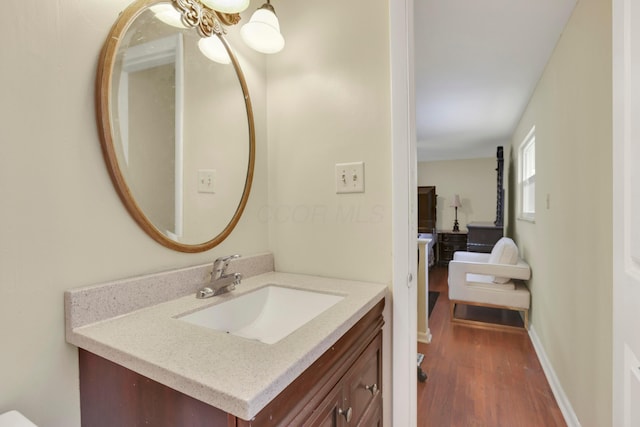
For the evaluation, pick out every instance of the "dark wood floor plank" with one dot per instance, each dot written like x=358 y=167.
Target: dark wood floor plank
x=481 y=377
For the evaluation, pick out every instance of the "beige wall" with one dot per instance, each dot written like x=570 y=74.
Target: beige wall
x=329 y=102
x=475 y=180
x=63 y=225
x=569 y=245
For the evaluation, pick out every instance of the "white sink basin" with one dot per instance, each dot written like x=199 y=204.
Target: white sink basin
x=267 y=314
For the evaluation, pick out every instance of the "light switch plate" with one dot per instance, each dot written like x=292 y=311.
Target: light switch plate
x=206 y=181
x=350 y=177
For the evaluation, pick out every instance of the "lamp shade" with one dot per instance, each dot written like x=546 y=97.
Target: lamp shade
x=262 y=32
x=227 y=6
x=213 y=48
x=455 y=203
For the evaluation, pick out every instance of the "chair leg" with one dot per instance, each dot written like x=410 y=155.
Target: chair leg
x=524 y=316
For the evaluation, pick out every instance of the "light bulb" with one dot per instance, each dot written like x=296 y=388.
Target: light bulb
x=213 y=48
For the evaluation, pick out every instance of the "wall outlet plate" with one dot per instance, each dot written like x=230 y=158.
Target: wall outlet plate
x=349 y=177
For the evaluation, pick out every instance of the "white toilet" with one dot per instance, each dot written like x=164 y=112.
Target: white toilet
x=15 y=419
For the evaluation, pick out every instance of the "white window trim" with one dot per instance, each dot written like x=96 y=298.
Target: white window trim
x=525 y=216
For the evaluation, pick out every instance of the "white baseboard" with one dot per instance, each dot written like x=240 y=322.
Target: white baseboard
x=570 y=416
x=425 y=337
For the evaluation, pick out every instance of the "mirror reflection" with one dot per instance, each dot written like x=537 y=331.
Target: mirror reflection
x=179 y=131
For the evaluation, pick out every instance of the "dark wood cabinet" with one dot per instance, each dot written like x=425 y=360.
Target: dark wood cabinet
x=427 y=202
x=448 y=243
x=483 y=236
x=345 y=382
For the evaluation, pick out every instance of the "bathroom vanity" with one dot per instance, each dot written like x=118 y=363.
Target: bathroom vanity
x=146 y=366
x=343 y=384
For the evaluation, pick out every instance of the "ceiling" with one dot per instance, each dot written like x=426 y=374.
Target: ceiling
x=477 y=64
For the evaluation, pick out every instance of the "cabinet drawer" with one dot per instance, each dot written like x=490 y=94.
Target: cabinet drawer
x=453 y=238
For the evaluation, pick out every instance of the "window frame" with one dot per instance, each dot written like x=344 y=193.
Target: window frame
x=526 y=185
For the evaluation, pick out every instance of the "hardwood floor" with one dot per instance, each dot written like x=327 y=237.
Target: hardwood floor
x=480 y=377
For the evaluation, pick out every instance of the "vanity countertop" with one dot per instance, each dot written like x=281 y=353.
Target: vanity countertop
x=237 y=375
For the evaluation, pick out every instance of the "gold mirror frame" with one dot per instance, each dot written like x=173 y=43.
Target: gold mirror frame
x=207 y=22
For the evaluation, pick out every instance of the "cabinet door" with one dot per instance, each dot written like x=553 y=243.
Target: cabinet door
x=356 y=398
x=326 y=414
x=363 y=383
x=373 y=417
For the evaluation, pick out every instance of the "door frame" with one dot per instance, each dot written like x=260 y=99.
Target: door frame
x=626 y=253
x=404 y=223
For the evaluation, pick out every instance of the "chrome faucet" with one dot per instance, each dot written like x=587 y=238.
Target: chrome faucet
x=221 y=282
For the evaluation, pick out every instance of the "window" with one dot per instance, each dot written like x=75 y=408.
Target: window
x=528 y=176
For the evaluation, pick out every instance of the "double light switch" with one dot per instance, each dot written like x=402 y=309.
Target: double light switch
x=350 y=177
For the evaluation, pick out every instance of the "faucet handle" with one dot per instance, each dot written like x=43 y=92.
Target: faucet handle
x=220 y=264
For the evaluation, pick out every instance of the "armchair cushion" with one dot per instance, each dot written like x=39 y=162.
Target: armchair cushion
x=483 y=280
x=505 y=251
x=480 y=279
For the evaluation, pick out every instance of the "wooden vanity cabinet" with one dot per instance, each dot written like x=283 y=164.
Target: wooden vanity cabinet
x=337 y=380
x=346 y=381
x=356 y=400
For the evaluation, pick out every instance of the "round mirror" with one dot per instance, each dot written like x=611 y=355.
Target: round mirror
x=176 y=126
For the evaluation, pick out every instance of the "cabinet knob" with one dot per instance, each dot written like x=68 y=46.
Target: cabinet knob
x=347 y=414
x=372 y=388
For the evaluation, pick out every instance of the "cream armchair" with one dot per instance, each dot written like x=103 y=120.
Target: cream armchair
x=490 y=280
